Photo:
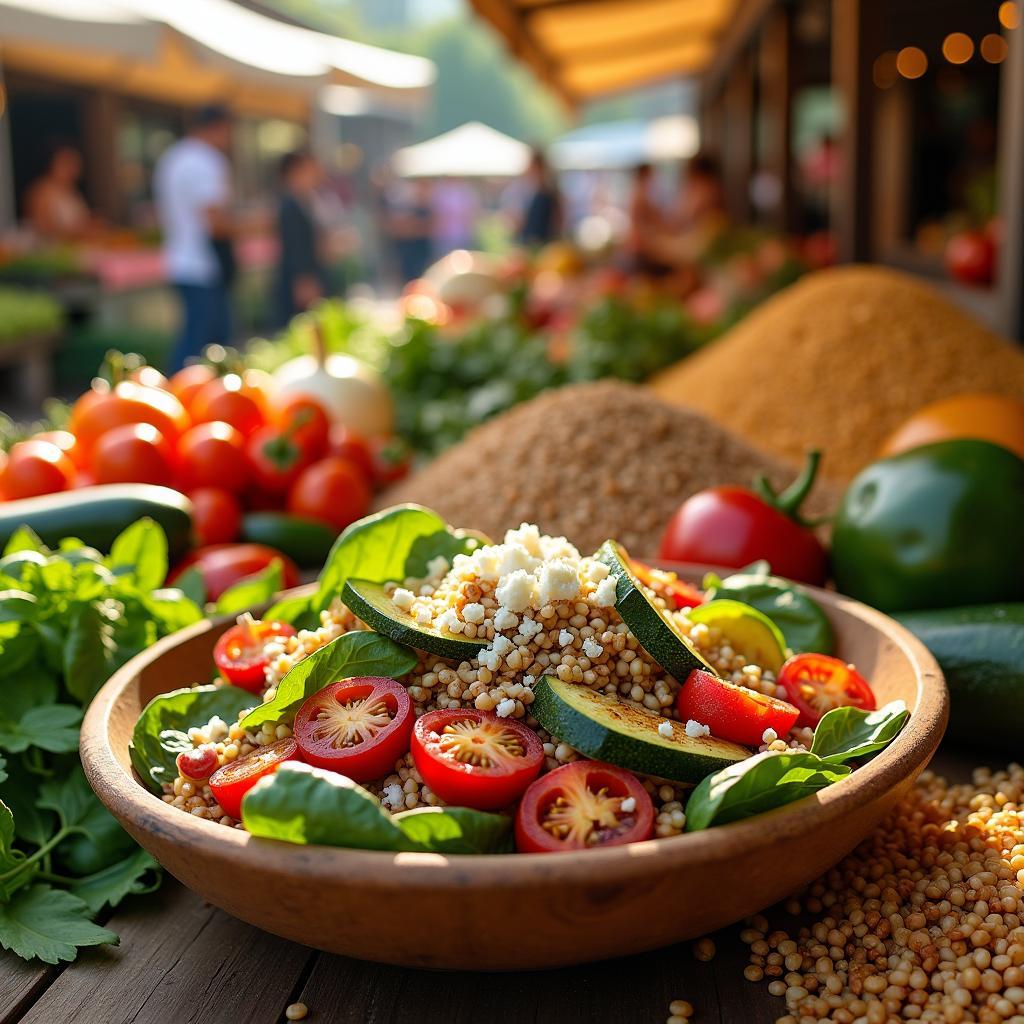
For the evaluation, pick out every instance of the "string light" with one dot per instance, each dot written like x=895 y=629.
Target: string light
x=1009 y=14
x=911 y=62
x=994 y=48
x=958 y=48
x=883 y=72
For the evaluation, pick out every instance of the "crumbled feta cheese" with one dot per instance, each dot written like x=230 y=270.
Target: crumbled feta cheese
x=447 y=620
x=628 y=805
x=424 y=615
x=403 y=598
x=565 y=638
x=694 y=729
x=530 y=628
x=527 y=536
x=529 y=680
x=514 y=556
x=597 y=571
x=558 y=582
x=437 y=567
x=515 y=591
x=490 y=660
x=604 y=596
x=501 y=645
x=394 y=796
x=552 y=548
x=473 y=612
x=504 y=619
x=769 y=736
x=505 y=708
x=665 y=729
x=592 y=649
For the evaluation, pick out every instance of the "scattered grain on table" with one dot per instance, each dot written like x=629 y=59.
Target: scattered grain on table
x=838 y=361
x=589 y=462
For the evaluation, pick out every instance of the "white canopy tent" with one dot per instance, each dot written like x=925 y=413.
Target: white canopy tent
x=620 y=144
x=473 y=150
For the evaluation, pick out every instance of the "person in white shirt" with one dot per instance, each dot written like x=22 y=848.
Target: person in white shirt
x=192 y=183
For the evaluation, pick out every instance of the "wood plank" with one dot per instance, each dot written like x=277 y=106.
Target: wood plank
x=180 y=960
x=21 y=983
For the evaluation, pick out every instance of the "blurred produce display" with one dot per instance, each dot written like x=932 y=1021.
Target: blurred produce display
x=839 y=361
x=25 y=313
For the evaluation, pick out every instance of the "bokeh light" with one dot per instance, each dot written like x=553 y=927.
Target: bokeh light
x=911 y=62
x=958 y=48
x=1009 y=14
x=884 y=73
x=994 y=48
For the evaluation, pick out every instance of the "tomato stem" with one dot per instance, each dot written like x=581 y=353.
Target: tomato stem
x=790 y=500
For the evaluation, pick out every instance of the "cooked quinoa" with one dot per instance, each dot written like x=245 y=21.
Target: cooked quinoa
x=544 y=609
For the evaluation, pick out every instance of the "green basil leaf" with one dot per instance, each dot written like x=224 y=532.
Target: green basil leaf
x=52 y=727
x=457 y=830
x=72 y=799
x=192 y=585
x=32 y=824
x=10 y=858
x=25 y=538
x=88 y=653
x=800 y=618
x=847 y=734
x=18 y=606
x=161 y=732
x=140 y=552
x=171 y=609
x=3 y=769
x=307 y=805
x=136 y=874
x=358 y=653
x=100 y=843
x=252 y=591
x=758 y=784
x=48 y=924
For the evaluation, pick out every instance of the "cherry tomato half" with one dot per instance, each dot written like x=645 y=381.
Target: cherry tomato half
x=816 y=683
x=357 y=727
x=198 y=764
x=732 y=712
x=681 y=593
x=474 y=758
x=233 y=780
x=223 y=565
x=239 y=655
x=580 y=806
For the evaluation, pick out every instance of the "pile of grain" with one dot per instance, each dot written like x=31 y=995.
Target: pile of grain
x=590 y=461
x=838 y=361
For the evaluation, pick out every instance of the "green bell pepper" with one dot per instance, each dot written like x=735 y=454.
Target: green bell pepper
x=935 y=527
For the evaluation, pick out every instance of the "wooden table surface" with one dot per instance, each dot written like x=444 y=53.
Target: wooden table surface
x=182 y=961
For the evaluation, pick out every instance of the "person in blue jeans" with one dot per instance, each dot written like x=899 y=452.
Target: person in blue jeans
x=192 y=183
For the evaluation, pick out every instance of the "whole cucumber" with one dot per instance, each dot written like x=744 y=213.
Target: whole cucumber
x=306 y=541
x=980 y=650
x=96 y=515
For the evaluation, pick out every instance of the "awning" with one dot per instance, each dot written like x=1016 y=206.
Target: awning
x=589 y=48
x=473 y=150
x=619 y=144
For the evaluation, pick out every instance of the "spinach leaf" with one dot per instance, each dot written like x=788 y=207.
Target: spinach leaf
x=801 y=619
x=307 y=805
x=161 y=732
x=252 y=591
x=760 y=783
x=297 y=610
x=359 y=653
x=847 y=734
x=457 y=830
x=140 y=552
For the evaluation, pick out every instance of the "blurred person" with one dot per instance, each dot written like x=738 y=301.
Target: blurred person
x=409 y=223
x=54 y=207
x=456 y=211
x=647 y=225
x=702 y=197
x=300 y=280
x=542 y=205
x=192 y=186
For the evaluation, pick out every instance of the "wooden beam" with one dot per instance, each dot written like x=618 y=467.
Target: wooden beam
x=738 y=138
x=775 y=71
x=856 y=32
x=749 y=15
x=1010 y=282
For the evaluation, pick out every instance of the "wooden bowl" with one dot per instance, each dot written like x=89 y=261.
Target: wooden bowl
x=525 y=911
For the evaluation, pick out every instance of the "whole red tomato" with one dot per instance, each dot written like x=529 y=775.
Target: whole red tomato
x=213 y=455
x=231 y=400
x=347 y=445
x=101 y=409
x=333 y=491
x=186 y=383
x=35 y=467
x=303 y=419
x=392 y=461
x=136 y=453
x=733 y=526
x=67 y=443
x=275 y=459
x=223 y=565
x=216 y=515
x=971 y=257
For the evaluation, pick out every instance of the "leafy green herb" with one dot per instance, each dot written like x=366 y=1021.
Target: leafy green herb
x=359 y=653
x=140 y=553
x=800 y=618
x=252 y=591
x=49 y=924
x=307 y=805
x=759 y=784
x=850 y=734
x=138 y=873
x=161 y=733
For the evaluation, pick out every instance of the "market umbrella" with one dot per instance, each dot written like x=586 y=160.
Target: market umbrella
x=473 y=150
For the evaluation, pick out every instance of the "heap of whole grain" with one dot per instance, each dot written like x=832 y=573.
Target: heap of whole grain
x=838 y=361
x=589 y=462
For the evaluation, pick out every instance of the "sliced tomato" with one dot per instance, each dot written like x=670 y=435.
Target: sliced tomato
x=233 y=780
x=580 y=806
x=816 y=683
x=683 y=594
x=359 y=727
x=474 y=758
x=732 y=712
x=239 y=653
x=199 y=764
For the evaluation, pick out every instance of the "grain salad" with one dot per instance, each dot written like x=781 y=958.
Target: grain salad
x=576 y=699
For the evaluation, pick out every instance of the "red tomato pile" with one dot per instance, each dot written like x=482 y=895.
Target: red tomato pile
x=226 y=441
